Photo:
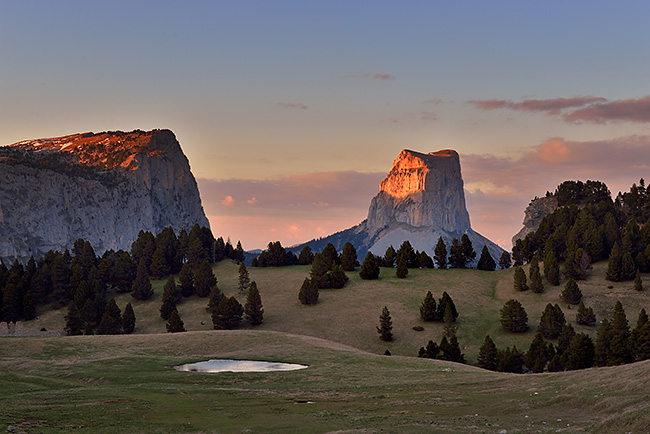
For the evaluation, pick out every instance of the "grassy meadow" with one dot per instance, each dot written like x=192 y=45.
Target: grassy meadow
x=126 y=383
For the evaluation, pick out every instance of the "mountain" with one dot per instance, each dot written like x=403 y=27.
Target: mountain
x=537 y=209
x=103 y=187
x=421 y=199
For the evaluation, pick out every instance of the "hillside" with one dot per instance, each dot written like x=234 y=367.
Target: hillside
x=349 y=315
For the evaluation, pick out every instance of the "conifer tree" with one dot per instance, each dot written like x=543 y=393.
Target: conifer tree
x=514 y=317
x=159 y=267
x=536 y=357
x=175 y=323
x=128 y=319
x=229 y=314
x=337 y=277
x=510 y=360
x=551 y=268
x=186 y=280
x=385 y=328
x=407 y=253
x=580 y=354
x=348 y=257
x=111 y=322
x=424 y=260
x=603 y=341
x=319 y=273
x=389 y=257
x=505 y=261
x=171 y=295
x=468 y=249
x=487 y=355
x=308 y=292
x=638 y=283
x=628 y=267
x=253 y=310
x=306 y=256
x=642 y=340
x=564 y=339
x=74 y=324
x=402 y=270
x=432 y=351
x=428 y=311
x=451 y=351
x=551 y=322
x=614 y=265
x=204 y=279
x=141 y=288
x=330 y=255
x=585 y=316
x=571 y=293
x=214 y=300
x=369 y=268
x=448 y=320
x=520 y=279
x=620 y=351
x=445 y=301
x=29 y=310
x=536 y=284
x=486 y=262
x=440 y=254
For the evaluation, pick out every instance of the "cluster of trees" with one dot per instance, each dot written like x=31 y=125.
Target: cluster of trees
x=449 y=349
x=327 y=271
x=589 y=227
x=444 y=310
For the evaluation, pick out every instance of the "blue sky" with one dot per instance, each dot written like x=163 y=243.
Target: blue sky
x=266 y=97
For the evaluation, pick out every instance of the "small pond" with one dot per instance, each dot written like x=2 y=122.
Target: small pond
x=213 y=366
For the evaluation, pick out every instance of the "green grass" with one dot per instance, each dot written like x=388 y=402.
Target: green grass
x=125 y=383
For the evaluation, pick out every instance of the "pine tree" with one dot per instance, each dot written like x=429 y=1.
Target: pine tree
x=159 y=267
x=580 y=354
x=615 y=264
x=214 y=300
x=445 y=301
x=440 y=254
x=111 y=322
x=514 y=317
x=171 y=295
x=510 y=360
x=487 y=355
x=603 y=341
x=448 y=320
x=407 y=253
x=175 y=323
x=536 y=284
x=186 y=280
x=389 y=257
x=308 y=292
x=468 y=249
x=306 y=256
x=74 y=324
x=432 y=351
x=319 y=273
x=551 y=268
x=348 y=257
x=141 y=288
x=330 y=255
x=451 y=351
x=29 y=310
x=638 y=283
x=536 y=357
x=204 y=279
x=253 y=311
x=642 y=342
x=564 y=339
x=428 y=311
x=128 y=319
x=424 y=260
x=551 y=322
x=505 y=261
x=402 y=270
x=628 y=267
x=571 y=293
x=369 y=268
x=585 y=316
x=520 y=279
x=620 y=351
x=385 y=325
x=337 y=277
x=244 y=279
x=486 y=262
x=229 y=314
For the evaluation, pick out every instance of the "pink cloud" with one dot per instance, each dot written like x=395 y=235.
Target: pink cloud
x=289 y=105
x=630 y=110
x=591 y=109
x=228 y=201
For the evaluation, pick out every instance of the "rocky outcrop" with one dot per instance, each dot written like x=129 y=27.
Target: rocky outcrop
x=421 y=200
x=103 y=187
x=535 y=212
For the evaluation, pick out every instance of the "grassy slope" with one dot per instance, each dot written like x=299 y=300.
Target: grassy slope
x=349 y=315
x=124 y=383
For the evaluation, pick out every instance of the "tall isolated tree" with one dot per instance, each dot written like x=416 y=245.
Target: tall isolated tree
x=514 y=317
x=428 y=311
x=308 y=292
x=440 y=254
x=615 y=264
x=385 y=328
x=253 y=310
x=244 y=279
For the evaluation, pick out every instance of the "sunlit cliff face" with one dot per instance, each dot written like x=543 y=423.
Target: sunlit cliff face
x=103 y=150
x=410 y=170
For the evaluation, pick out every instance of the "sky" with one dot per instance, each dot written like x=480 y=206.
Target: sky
x=292 y=112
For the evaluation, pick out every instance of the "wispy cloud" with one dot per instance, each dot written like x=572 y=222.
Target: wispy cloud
x=590 y=109
x=289 y=105
x=228 y=201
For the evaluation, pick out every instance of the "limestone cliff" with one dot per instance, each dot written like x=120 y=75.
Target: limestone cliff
x=102 y=187
x=421 y=199
x=538 y=208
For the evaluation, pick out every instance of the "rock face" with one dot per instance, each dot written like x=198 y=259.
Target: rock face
x=538 y=208
x=102 y=187
x=421 y=199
